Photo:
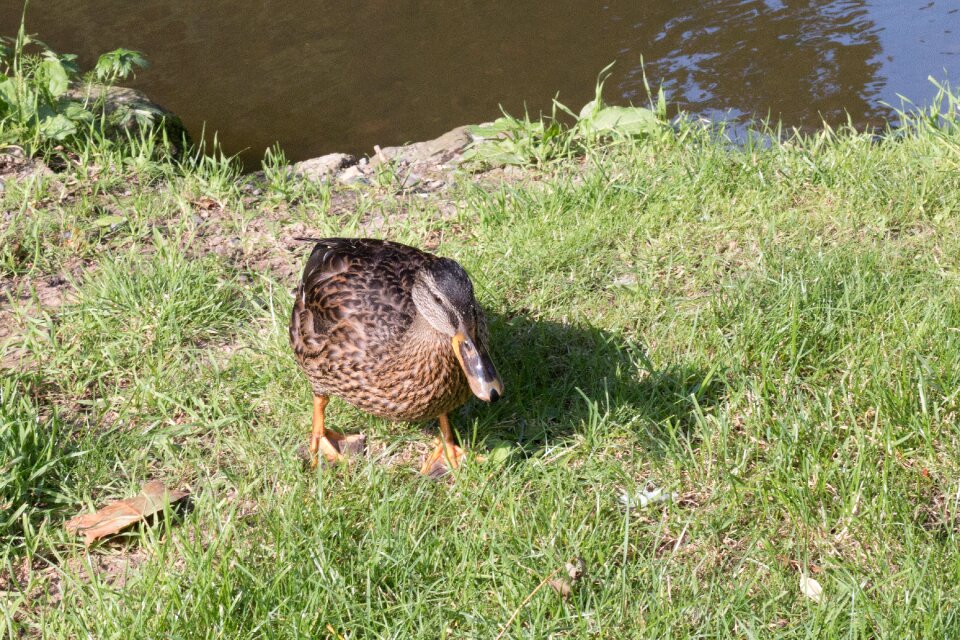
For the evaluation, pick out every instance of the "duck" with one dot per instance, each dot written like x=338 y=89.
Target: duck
x=395 y=332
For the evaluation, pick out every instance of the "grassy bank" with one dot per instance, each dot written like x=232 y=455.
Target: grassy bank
x=770 y=332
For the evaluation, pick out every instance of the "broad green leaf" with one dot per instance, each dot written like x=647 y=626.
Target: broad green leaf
x=588 y=110
x=500 y=452
x=109 y=221
x=75 y=112
x=69 y=62
x=8 y=91
x=57 y=127
x=493 y=129
x=22 y=101
x=55 y=77
x=494 y=153
x=629 y=121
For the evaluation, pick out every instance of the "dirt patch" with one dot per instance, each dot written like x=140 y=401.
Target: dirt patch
x=268 y=244
x=114 y=567
x=258 y=249
x=23 y=298
x=16 y=165
x=390 y=453
x=41 y=581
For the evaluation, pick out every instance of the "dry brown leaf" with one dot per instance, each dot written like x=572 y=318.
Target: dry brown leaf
x=576 y=569
x=120 y=514
x=206 y=203
x=561 y=586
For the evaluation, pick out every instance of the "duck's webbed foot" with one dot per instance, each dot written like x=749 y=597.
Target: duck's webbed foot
x=446 y=456
x=334 y=446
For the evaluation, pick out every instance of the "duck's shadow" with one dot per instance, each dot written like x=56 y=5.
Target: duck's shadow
x=556 y=375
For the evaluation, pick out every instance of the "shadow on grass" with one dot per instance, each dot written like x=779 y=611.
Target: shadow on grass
x=554 y=372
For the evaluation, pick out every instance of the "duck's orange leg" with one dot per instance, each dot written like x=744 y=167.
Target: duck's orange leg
x=330 y=443
x=446 y=456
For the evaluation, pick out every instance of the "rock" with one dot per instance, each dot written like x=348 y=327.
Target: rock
x=410 y=181
x=352 y=175
x=131 y=111
x=447 y=149
x=323 y=167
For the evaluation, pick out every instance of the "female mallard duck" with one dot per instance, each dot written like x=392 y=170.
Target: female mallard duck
x=395 y=332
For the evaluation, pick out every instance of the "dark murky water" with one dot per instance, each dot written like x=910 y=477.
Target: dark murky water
x=332 y=76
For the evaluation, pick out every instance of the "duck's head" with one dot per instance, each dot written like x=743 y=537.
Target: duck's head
x=443 y=295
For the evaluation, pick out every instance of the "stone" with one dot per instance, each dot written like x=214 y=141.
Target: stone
x=131 y=111
x=323 y=167
x=410 y=181
x=446 y=149
x=352 y=175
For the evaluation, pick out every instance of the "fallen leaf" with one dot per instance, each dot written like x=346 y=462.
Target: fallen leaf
x=500 y=451
x=120 y=514
x=109 y=221
x=576 y=569
x=644 y=497
x=811 y=588
x=206 y=203
x=561 y=586
x=334 y=632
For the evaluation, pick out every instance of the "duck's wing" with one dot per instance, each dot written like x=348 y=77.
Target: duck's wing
x=354 y=298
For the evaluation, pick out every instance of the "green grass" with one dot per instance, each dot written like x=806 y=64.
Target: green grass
x=772 y=332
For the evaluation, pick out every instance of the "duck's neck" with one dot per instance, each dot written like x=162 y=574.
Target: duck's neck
x=421 y=335
x=419 y=352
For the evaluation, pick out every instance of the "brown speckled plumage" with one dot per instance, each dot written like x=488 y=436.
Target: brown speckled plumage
x=357 y=335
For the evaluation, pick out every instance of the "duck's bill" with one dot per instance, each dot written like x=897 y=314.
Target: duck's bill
x=484 y=381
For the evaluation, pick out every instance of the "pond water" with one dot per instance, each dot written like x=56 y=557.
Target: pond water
x=330 y=76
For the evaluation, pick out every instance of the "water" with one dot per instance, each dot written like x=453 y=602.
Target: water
x=324 y=76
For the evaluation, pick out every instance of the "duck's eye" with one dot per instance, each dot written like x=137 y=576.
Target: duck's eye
x=437 y=299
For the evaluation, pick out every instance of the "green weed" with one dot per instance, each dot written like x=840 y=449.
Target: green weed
x=523 y=142
x=45 y=99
